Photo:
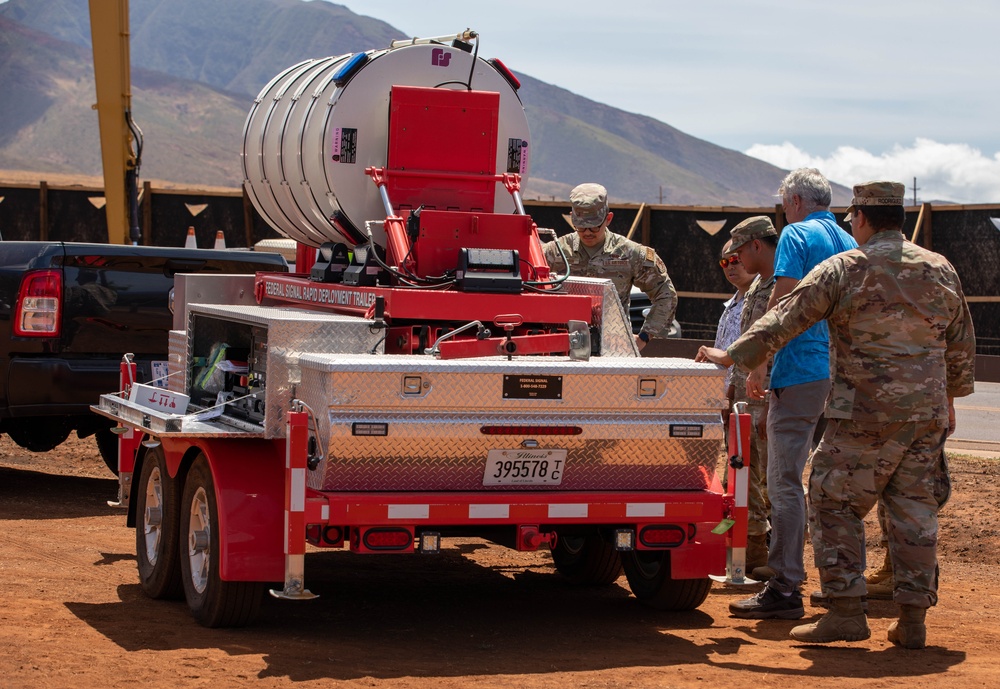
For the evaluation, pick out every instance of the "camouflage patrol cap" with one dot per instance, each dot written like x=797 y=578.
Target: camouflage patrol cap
x=750 y=229
x=590 y=205
x=878 y=193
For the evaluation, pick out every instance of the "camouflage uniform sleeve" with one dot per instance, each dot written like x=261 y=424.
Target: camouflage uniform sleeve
x=812 y=300
x=960 y=354
x=651 y=277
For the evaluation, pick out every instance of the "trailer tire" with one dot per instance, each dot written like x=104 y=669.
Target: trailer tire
x=157 y=529
x=648 y=574
x=213 y=602
x=587 y=560
x=40 y=433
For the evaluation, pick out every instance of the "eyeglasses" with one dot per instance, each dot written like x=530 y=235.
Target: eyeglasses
x=729 y=261
x=581 y=230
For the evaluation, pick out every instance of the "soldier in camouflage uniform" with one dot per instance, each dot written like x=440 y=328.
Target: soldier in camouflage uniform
x=904 y=349
x=594 y=252
x=754 y=241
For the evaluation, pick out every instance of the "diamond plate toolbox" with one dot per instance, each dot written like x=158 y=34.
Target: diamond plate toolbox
x=404 y=423
x=268 y=341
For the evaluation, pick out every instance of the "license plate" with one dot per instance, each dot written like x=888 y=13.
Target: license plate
x=524 y=467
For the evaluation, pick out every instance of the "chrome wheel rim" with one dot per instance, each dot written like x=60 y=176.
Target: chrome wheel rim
x=152 y=517
x=199 y=540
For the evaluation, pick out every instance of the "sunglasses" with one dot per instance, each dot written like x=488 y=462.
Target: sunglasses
x=729 y=261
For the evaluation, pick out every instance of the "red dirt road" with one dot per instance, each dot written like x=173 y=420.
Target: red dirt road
x=72 y=613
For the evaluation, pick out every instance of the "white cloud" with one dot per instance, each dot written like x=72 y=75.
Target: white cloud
x=944 y=172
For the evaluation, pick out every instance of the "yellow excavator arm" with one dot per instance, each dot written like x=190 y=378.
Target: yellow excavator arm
x=121 y=140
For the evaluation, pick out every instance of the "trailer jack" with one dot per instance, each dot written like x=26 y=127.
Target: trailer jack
x=296 y=449
x=736 y=519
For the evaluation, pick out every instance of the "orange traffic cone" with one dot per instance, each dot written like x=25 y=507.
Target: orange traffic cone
x=220 y=240
x=191 y=242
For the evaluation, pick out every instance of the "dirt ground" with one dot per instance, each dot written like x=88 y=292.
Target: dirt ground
x=72 y=613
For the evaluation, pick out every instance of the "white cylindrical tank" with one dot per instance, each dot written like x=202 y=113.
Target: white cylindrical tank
x=313 y=130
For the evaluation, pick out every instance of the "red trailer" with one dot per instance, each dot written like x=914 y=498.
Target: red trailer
x=422 y=375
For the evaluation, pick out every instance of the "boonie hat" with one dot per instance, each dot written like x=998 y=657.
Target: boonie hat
x=590 y=205
x=750 y=229
x=878 y=193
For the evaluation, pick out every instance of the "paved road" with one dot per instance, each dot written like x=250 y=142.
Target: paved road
x=978 y=417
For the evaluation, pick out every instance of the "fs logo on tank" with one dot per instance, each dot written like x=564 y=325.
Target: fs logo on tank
x=439 y=58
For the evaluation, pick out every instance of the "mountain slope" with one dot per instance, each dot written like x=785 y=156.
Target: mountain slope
x=638 y=153
x=197 y=66
x=192 y=131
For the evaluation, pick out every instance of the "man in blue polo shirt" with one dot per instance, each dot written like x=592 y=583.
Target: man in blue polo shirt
x=800 y=384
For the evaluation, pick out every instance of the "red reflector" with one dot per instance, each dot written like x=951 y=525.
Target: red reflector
x=665 y=536
x=38 y=304
x=389 y=538
x=505 y=73
x=531 y=430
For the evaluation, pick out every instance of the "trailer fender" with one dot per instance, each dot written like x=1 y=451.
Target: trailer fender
x=695 y=561
x=249 y=490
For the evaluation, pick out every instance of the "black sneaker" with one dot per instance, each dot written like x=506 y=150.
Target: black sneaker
x=769 y=604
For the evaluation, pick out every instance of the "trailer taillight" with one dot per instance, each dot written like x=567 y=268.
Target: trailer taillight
x=38 y=304
x=661 y=536
x=388 y=538
x=530 y=430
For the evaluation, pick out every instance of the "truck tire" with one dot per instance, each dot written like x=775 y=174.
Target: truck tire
x=39 y=434
x=107 y=445
x=213 y=602
x=587 y=560
x=648 y=574
x=157 y=529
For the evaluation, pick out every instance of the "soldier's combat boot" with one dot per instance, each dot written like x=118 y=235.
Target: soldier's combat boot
x=881 y=583
x=756 y=551
x=818 y=599
x=846 y=621
x=909 y=631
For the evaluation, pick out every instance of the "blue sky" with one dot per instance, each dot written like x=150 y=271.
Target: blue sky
x=860 y=89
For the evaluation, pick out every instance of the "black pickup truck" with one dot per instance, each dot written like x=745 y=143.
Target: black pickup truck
x=68 y=312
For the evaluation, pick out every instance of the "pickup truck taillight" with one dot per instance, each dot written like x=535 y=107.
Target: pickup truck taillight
x=38 y=304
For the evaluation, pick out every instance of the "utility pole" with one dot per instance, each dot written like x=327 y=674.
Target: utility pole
x=661 y=194
x=915 y=191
